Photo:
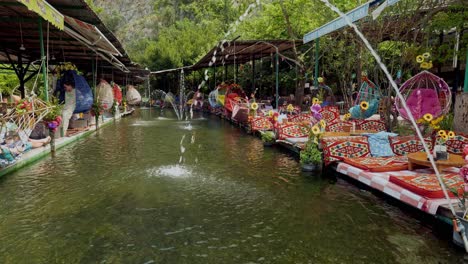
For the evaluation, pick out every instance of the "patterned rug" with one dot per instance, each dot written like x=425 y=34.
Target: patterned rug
x=379 y=164
x=427 y=185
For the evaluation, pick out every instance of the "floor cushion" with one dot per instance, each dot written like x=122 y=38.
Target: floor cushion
x=261 y=123
x=380 y=144
x=339 y=148
x=380 y=164
x=338 y=126
x=427 y=185
x=330 y=114
x=455 y=145
x=370 y=125
x=292 y=131
x=402 y=146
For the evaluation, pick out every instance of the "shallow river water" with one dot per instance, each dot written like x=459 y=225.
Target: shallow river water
x=120 y=196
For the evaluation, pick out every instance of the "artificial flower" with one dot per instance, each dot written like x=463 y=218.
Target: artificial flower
x=442 y=133
x=323 y=124
x=347 y=116
x=364 y=105
x=315 y=101
x=320 y=79
x=426 y=55
x=419 y=59
x=290 y=108
x=425 y=65
x=451 y=134
x=315 y=130
x=271 y=113
x=254 y=106
x=445 y=137
x=428 y=117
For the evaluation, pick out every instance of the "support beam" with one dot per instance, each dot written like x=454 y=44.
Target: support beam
x=43 y=61
x=465 y=86
x=253 y=74
x=316 y=72
x=277 y=78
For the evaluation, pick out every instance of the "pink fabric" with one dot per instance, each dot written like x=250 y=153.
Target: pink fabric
x=421 y=102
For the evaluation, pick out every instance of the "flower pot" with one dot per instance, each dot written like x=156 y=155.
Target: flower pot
x=457 y=238
x=440 y=152
x=268 y=143
x=311 y=167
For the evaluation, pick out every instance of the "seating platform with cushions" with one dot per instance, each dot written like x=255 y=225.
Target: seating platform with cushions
x=379 y=164
x=427 y=185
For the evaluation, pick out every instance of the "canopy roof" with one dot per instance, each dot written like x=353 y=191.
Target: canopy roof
x=242 y=51
x=84 y=40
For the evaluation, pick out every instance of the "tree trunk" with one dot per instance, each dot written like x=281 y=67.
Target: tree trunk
x=299 y=95
x=461 y=114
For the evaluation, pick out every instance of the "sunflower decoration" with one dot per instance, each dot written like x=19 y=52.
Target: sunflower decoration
x=254 y=106
x=315 y=100
x=271 y=113
x=442 y=133
x=320 y=79
x=364 y=105
x=316 y=130
x=451 y=134
x=323 y=124
x=428 y=117
x=424 y=61
x=290 y=108
x=347 y=117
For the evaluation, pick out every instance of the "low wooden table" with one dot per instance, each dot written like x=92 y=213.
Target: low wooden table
x=420 y=158
x=347 y=134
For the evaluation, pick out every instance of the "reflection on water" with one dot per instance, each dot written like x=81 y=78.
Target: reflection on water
x=120 y=196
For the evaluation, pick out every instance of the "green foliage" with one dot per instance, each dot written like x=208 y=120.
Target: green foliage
x=268 y=136
x=311 y=154
x=56 y=109
x=8 y=83
x=447 y=122
x=91 y=4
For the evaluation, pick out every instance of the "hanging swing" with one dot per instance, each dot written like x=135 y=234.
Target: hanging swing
x=367 y=100
x=425 y=93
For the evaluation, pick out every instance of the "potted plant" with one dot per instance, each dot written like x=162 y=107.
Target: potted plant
x=268 y=138
x=311 y=156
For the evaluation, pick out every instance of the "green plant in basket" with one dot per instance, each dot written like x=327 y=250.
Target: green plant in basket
x=311 y=154
x=268 y=136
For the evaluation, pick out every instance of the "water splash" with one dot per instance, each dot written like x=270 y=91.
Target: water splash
x=400 y=96
x=172 y=171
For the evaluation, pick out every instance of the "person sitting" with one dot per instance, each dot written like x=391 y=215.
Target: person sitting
x=70 y=102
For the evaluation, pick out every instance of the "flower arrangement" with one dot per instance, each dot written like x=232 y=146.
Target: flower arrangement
x=346 y=117
x=424 y=61
x=53 y=119
x=97 y=109
x=428 y=124
x=23 y=106
x=290 y=108
x=254 y=106
x=315 y=109
x=311 y=153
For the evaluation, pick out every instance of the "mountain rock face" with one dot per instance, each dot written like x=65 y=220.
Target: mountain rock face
x=130 y=20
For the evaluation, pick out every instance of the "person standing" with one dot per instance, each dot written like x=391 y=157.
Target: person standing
x=70 y=103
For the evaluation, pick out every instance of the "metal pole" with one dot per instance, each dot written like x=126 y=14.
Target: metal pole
x=317 y=51
x=465 y=86
x=44 y=67
x=277 y=79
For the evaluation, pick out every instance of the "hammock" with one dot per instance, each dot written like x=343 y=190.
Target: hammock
x=133 y=96
x=117 y=93
x=425 y=93
x=105 y=95
x=369 y=92
x=84 y=94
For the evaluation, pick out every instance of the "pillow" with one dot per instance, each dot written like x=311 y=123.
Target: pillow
x=455 y=145
x=338 y=126
x=380 y=144
x=330 y=114
x=370 y=125
x=397 y=163
x=339 y=148
x=292 y=131
x=402 y=146
x=427 y=185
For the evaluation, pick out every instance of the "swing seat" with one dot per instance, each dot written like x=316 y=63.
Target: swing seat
x=422 y=101
x=357 y=113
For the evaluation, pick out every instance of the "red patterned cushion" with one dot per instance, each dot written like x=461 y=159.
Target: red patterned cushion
x=292 y=131
x=330 y=114
x=339 y=148
x=374 y=125
x=299 y=118
x=338 y=126
x=427 y=185
x=402 y=146
x=379 y=164
x=261 y=123
x=455 y=145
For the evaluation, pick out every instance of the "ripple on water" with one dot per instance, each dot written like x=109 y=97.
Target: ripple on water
x=172 y=171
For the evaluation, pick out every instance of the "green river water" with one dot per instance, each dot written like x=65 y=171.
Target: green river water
x=120 y=196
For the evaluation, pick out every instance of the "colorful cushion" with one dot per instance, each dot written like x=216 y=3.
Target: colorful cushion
x=292 y=131
x=330 y=114
x=261 y=123
x=339 y=148
x=381 y=164
x=455 y=145
x=410 y=144
x=380 y=145
x=338 y=126
x=299 y=118
x=427 y=185
x=370 y=125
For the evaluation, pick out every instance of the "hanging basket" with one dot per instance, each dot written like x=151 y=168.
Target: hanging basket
x=424 y=93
